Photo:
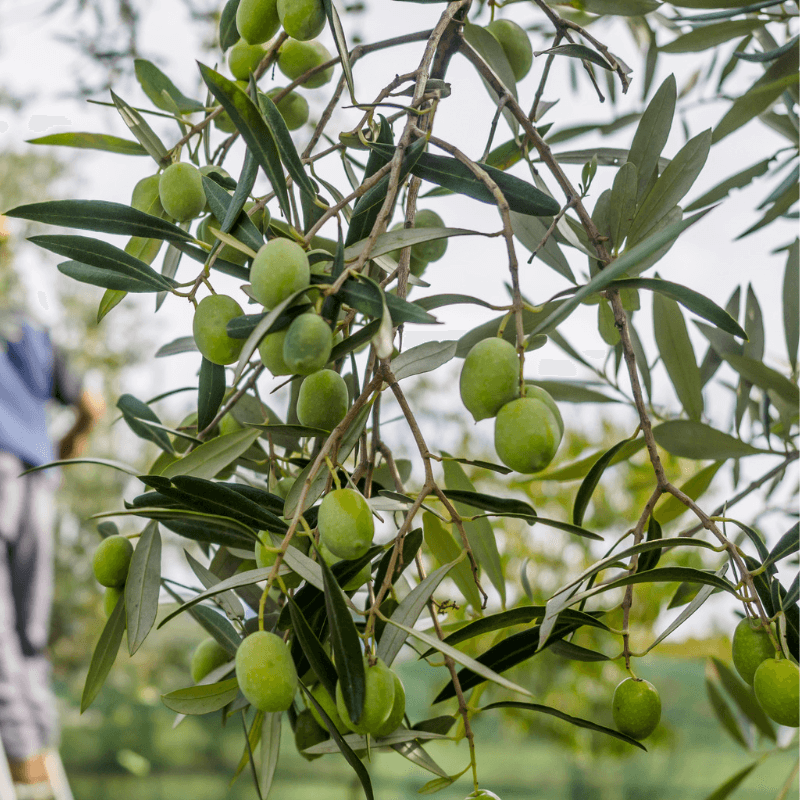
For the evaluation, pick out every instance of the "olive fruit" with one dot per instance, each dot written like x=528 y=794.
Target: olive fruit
x=110 y=598
x=398 y=710
x=243 y=58
x=145 y=196
x=515 y=43
x=357 y=581
x=531 y=390
x=526 y=435
x=257 y=20
x=293 y=108
x=489 y=378
x=435 y=249
x=271 y=351
x=208 y=655
x=279 y=269
x=777 y=687
x=482 y=793
x=345 y=523
x=750 y=646
x=111 y=561
x=295 y=58
x=180 y=189
x=308 y=343
x=328 y=704
x=211 y=317
x=266 y=672
x=283 y=486
x=307 y=733
x=302 y=19
x=378 y=699
x=322 y=400
x=636 y=708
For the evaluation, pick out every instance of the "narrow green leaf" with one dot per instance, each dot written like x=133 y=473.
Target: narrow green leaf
x=212 y=622
x=589 y=484
x=337 y=30
x=627 y=262
x=492 y=52
x=785 y=546
x=203 y=699
x=732 y=784
x=141 y=130
x=154 y=82
x=763 y=376
x=652 y=133
x=760 y=96
x=92 y=141
x=312 y=649
x=622 y=202
x=690 y=439
x=352 y=759
x=677 y=354
x=270 y=748
x=780 y=208
x=681 y=597
x=439 y=537
x=650 y=559
x=708 y=36
x=573 y=391
x=671 y=186
x=104 y=257
x=744 y=697
x=566 y=526
x=289 y=154
x=737 y=181
x=104 y=655
x=577 y=469
x=791 y=293
x=345 y=644
x=407 y=613
x=220 y=203
x=210 y=457
x=479 y=532
x=530 y=231
x=460 y=658
x=103 y=462
x=228 y=32
x=580 y=51
x=724 y=714
x=210 y=391
x=688 y=298
x=142 y=586
x=253 y=129
x=136 y=415
x=227 y=601
x=577 y=721
x=769 y=55
x=423 y=358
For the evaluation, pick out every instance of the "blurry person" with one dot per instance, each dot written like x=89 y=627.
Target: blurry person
x=32 y=373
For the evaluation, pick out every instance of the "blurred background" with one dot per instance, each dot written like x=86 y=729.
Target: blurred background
x=59 y=60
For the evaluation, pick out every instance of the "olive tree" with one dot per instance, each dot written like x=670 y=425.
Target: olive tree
x=323 y=557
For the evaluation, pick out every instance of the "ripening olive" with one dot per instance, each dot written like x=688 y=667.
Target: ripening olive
x=111 y=561
x=322 y=400
x=279 y=269
x=266 y=672
x=257 y=20
x=302 y=19
x=211 y=317
x=345 y=523
x=432 y=250
x=750 y=646
x=308 y=343
x=293 y=108
x=515 y=43
x=243 y=58
x=180 y=189
x=208 y=655
x=636 y=708
x=145 y=196
x=379 y=688
x=526 y=435
x=489 y=378
x=295 y=58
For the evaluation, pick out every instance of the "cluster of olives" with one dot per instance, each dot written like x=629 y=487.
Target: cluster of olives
x=257 y=21
x=110 y=564
x=528 y=428
x=268 y=679
x=775 y=680
x=423 y=252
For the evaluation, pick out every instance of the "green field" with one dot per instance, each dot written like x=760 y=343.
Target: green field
x=196 y=760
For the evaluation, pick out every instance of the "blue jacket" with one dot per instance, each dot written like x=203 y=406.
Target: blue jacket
x=29 y=378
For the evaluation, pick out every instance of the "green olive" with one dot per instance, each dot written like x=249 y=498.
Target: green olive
x=489 y=378
x=111 y=561
x=257 y=20
x=243 y=58
x=322 y=400
x=279 y=269
x=295 y=58
x=180 y=189
x=266 y=672
x=526 y=435
x=208 y=655
x=302 y=19
x=211 y=317
x=308 y=343
x=345 y=523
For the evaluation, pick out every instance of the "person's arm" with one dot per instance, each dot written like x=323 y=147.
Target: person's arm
x=89 y=408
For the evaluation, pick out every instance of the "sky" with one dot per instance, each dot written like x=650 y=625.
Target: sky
x=41 y=68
